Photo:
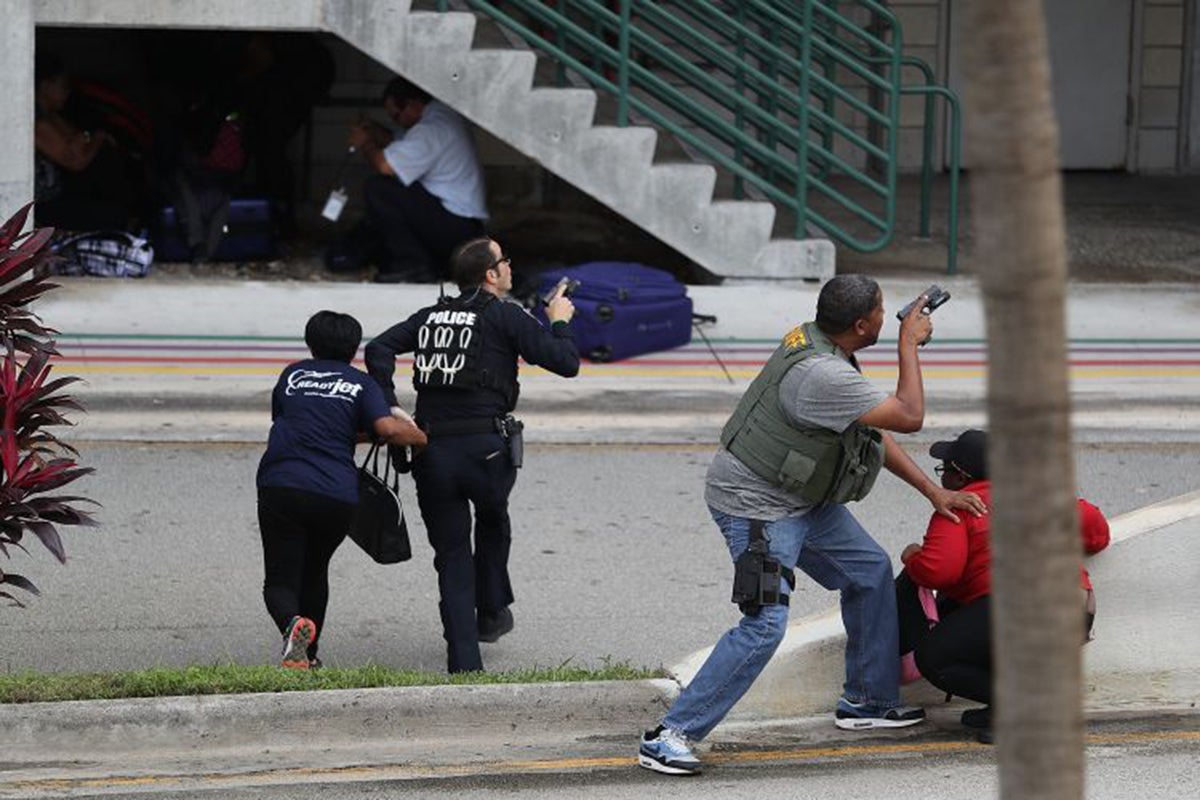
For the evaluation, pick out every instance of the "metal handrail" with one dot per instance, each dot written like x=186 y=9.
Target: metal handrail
x=753 y=87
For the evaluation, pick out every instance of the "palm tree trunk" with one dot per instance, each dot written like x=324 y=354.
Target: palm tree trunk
x=1020 y=256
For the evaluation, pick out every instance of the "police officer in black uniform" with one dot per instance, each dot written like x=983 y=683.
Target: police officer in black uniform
x=465 y=352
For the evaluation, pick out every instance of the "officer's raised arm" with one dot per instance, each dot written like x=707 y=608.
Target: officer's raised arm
x=551 y=348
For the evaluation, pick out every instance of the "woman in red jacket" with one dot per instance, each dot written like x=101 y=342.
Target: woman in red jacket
x=955 y=560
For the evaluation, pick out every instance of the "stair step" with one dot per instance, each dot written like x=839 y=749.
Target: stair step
x=682 y=186
x=497 y=82
x=754 y=217
x=442 y=39
x=631 y=148
x=558 y=115
x=615 y=162
x=810 y=259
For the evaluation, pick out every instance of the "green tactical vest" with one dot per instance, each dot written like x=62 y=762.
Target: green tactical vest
x=817 y=464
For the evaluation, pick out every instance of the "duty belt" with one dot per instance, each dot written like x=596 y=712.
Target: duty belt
x=463 y=427
x=460 y=427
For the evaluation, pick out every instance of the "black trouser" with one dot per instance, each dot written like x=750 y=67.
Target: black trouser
x=452 y=474
x=418 y=231
x=956 y=654
x=300 y=532
x=913 y=624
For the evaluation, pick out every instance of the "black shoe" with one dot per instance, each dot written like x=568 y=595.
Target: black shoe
x=977 y=718
x=986 y=736
x=492 y=626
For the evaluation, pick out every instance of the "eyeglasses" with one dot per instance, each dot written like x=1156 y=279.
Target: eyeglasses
x=500 y=262
x=941 y=468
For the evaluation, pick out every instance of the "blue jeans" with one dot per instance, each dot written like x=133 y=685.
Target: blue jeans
x=829 y=546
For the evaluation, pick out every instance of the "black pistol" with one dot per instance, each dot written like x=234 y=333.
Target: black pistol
x=935 y=296
x=568 y=285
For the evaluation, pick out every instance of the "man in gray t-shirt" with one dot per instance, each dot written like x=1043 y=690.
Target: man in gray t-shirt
x=821 y=394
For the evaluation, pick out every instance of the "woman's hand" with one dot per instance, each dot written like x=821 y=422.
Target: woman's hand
x=400 y=432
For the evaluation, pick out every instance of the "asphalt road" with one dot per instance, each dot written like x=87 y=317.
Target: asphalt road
x=1126 y=760
x=614 y=558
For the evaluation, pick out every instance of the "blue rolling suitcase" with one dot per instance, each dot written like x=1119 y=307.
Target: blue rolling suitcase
x=623 y=309
x=249 y=234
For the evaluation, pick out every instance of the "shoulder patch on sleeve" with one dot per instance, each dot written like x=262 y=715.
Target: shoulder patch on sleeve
x=796 y=338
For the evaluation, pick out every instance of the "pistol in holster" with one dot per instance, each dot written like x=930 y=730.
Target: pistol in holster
x=756 y=575
x=512 y=429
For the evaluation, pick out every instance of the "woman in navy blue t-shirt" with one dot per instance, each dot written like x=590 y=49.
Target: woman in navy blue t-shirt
x=307 y=479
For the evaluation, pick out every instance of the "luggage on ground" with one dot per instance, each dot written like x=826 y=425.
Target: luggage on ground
x=104 y=254
x=624 y=309
x=248 y=235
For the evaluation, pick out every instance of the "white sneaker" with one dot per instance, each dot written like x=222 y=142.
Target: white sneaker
x=860 y=716
x=667 y=751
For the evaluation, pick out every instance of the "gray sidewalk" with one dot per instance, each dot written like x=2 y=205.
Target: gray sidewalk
x=156 y=352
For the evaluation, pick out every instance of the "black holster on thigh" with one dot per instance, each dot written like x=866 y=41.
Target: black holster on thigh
x=756 y=575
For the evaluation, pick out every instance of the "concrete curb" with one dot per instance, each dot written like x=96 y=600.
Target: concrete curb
x=106 y=729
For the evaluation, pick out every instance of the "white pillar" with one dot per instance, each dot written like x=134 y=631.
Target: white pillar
x=16 y=123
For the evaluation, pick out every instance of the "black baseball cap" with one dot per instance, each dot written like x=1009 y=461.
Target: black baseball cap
x=968 y=452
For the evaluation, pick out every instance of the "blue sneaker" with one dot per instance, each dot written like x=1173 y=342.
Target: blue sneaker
x=861 y=716
x=667 y=751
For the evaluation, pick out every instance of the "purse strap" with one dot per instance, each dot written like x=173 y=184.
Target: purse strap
x=390 y=477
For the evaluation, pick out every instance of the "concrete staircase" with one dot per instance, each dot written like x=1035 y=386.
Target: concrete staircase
x=494 y=88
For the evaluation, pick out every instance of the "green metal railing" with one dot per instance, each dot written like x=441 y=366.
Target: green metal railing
x=799 y=100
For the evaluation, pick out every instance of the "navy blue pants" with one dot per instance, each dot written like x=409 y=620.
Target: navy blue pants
x=418 y=232
x=454 y=474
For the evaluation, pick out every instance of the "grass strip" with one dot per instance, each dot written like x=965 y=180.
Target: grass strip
x=29 y=687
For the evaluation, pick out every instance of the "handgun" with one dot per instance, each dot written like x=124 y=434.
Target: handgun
x=566 y=283
x=935 y=296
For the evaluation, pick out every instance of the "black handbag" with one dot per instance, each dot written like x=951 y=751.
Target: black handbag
x=379 y=527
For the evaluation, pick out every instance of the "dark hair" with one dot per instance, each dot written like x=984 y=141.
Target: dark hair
x=471 y=261
x=401 y=91
x=47 y=65
x=332 y=335
x=844 y=300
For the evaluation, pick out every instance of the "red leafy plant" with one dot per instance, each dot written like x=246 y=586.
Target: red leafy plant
x=34 y=461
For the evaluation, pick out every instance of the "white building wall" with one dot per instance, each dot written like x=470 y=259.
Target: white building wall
x=16 y=123
x=1159 y=129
